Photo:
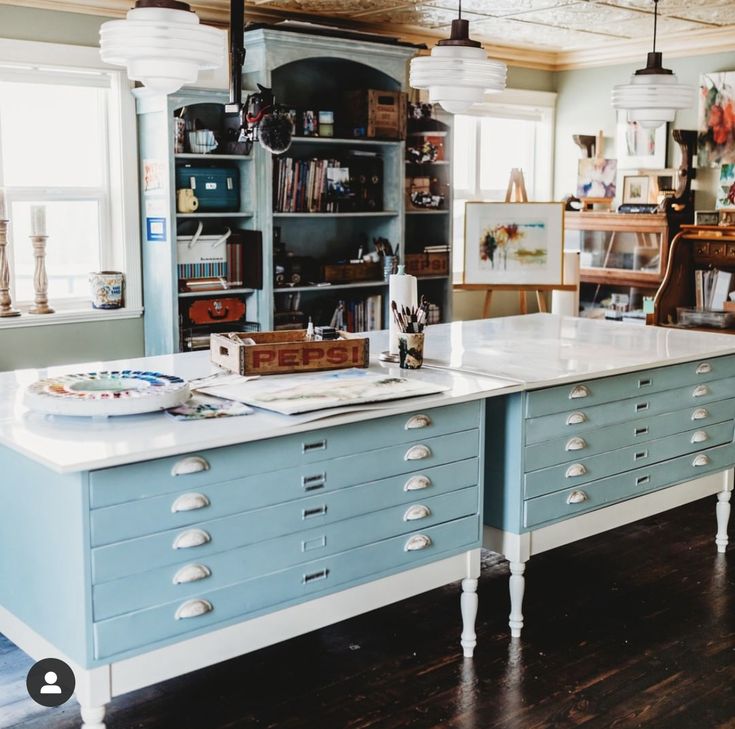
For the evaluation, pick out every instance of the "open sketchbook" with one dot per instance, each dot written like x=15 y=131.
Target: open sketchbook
x=305 y=393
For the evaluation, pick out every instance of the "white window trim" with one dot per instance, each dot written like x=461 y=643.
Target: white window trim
x=80 y=58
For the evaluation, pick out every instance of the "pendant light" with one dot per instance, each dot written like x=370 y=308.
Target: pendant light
x=162 y=44
x=654 y=94
x=458 y=72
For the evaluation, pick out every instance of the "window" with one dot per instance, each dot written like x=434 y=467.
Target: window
x=516 y=130
x=66 y=141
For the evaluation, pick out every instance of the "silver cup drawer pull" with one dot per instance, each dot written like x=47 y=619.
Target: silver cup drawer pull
x=417 y=453
x=577 y=497
x=417 y=483
x=575 y=470
x=417 y=542
x=576 y=418
x=193 y=609
x=416 y=512
x=575 y=444
x=192 y=573
x=189 y=465
x=415 y=422
x=700 y=414
x=704 y=368
x=578 y=392
x=190 y=502
x=701 y=391
x=699 y=436
x=191 y=538
x=701 y=459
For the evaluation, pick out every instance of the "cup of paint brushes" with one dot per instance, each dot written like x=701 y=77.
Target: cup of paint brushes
x=410 y=350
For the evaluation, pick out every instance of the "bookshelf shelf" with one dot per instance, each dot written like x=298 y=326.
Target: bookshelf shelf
x=440 y=163
x=380 y=214
x=426 y=212
x=213 y=292
x=221 y=157
x=332 y=287
x=192 y=216
x=340 y=141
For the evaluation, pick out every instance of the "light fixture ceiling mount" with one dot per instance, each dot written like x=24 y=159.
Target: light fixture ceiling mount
x=458 y=72
x=654 y=94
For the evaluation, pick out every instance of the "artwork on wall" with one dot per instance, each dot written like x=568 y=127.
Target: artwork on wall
x=726 y=190
x=596 y=178
x=716 y=119
x=636 y=146
x=636 y=189
x=513 y=243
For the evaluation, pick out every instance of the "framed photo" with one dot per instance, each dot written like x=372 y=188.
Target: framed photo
x=639 y=147
x=636 y=189
x=508 y=244
x=727 y=217
x=707 y=217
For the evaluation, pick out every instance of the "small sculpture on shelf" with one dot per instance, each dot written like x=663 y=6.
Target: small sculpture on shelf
x=40 y=279
x=6 y=304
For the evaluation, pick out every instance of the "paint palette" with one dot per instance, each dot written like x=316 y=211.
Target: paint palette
x=114 y=392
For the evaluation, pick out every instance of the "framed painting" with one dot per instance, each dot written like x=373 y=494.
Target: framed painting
x=513 y=244
x=636 y=189
x=726 y=189
x=596 y=178
x=716 y=137
x=637 y=146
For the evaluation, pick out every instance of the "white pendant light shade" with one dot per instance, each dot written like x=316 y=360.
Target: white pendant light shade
x=162 y=44
x=458 y=72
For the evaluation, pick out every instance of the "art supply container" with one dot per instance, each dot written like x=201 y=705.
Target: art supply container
x=410 y=350
x=106 y=289
x=402 y=288
x=390 y=264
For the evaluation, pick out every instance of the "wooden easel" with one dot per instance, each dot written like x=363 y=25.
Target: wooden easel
x=516 y=192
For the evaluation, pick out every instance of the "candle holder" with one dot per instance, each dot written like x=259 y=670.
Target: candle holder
x=40 y=279
x=6 y=304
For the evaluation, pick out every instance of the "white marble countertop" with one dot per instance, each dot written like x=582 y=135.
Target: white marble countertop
x=473 y=359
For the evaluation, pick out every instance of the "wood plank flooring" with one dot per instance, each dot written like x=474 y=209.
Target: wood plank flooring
x=632 y=628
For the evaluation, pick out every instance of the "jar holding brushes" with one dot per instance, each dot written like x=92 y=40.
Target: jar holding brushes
x=410 y=322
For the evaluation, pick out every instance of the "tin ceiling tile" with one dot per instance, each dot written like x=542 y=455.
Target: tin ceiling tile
x=509 y=31
x=715 y=12
x=502 y=8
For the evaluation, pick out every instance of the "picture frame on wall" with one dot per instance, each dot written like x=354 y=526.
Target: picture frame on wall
x=514 y=244
x=636 y=146
x=636 y=189
x=716 y=135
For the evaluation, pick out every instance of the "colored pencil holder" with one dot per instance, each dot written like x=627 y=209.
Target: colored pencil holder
x=410 y=350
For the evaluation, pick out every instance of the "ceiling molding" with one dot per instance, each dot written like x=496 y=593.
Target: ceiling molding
x=216 y=12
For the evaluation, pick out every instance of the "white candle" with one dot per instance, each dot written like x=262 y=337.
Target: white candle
x=3 y=215
x=38 y=220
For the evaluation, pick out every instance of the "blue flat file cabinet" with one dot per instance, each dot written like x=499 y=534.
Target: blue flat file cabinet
x=141 y=572
x=574 y=460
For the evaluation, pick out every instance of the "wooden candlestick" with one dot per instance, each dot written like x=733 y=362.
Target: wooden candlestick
x=40 y=279
x=6 y=308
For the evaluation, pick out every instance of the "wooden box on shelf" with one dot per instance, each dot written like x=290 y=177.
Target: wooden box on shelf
x=285 y=352
x=352 y=272
x=427 y=264
x=381 y=114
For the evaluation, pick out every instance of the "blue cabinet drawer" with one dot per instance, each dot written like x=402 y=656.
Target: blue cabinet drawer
x=621 y=387
x=592 y=468
x=165 y=475
x=179 y=582
x=216 y=535
x=584 y=419
x=142 y=629
x=307 y=487
x=570 y=502
x=571 y=447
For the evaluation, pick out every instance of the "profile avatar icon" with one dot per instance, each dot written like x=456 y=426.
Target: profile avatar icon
x=50 y=686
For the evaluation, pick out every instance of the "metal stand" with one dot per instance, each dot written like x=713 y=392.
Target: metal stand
x=6 y=308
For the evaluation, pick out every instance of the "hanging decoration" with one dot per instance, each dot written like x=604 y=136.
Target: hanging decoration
x=162 y=44
x=654 y=94
x=458 y=72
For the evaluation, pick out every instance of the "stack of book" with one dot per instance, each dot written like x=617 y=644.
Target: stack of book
x=309 y=186
x=361 y=315
x=711 y=288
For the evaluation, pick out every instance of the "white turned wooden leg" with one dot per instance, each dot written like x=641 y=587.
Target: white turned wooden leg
x=517 y=584
x=468 y=603
x=723 y=517
x=93 y=717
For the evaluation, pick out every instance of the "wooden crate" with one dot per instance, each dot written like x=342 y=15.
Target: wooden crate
x=350 y=272
x=381 y=114
x=427 y=264
x=285 y=352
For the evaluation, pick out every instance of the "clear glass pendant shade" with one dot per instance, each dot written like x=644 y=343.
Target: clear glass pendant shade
x=162 y=47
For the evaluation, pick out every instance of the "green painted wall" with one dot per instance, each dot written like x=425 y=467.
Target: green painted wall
x=63 y=344
x=583 y=107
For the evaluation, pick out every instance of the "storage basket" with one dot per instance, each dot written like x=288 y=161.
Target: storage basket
x=202 y=256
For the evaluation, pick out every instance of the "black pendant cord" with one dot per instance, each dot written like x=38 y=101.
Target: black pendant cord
x=460 y=9
x=655 y=23
x=237 y=49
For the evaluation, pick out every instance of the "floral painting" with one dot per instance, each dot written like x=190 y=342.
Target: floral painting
x=716 y=119
x=513 y=243
x=596 y=178
x=726 y=190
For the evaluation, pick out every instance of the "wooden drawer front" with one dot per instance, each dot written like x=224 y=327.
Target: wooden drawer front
x=307 y=489
x=570 y=502
x=584 y=470
x=620 y=387
x=572 y=447
x=141 y=480
x=141 y=630
x=585 y=419
x=217 y=535
x=182 y=581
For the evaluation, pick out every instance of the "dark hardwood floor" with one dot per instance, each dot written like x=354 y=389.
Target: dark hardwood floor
x=632 y=628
